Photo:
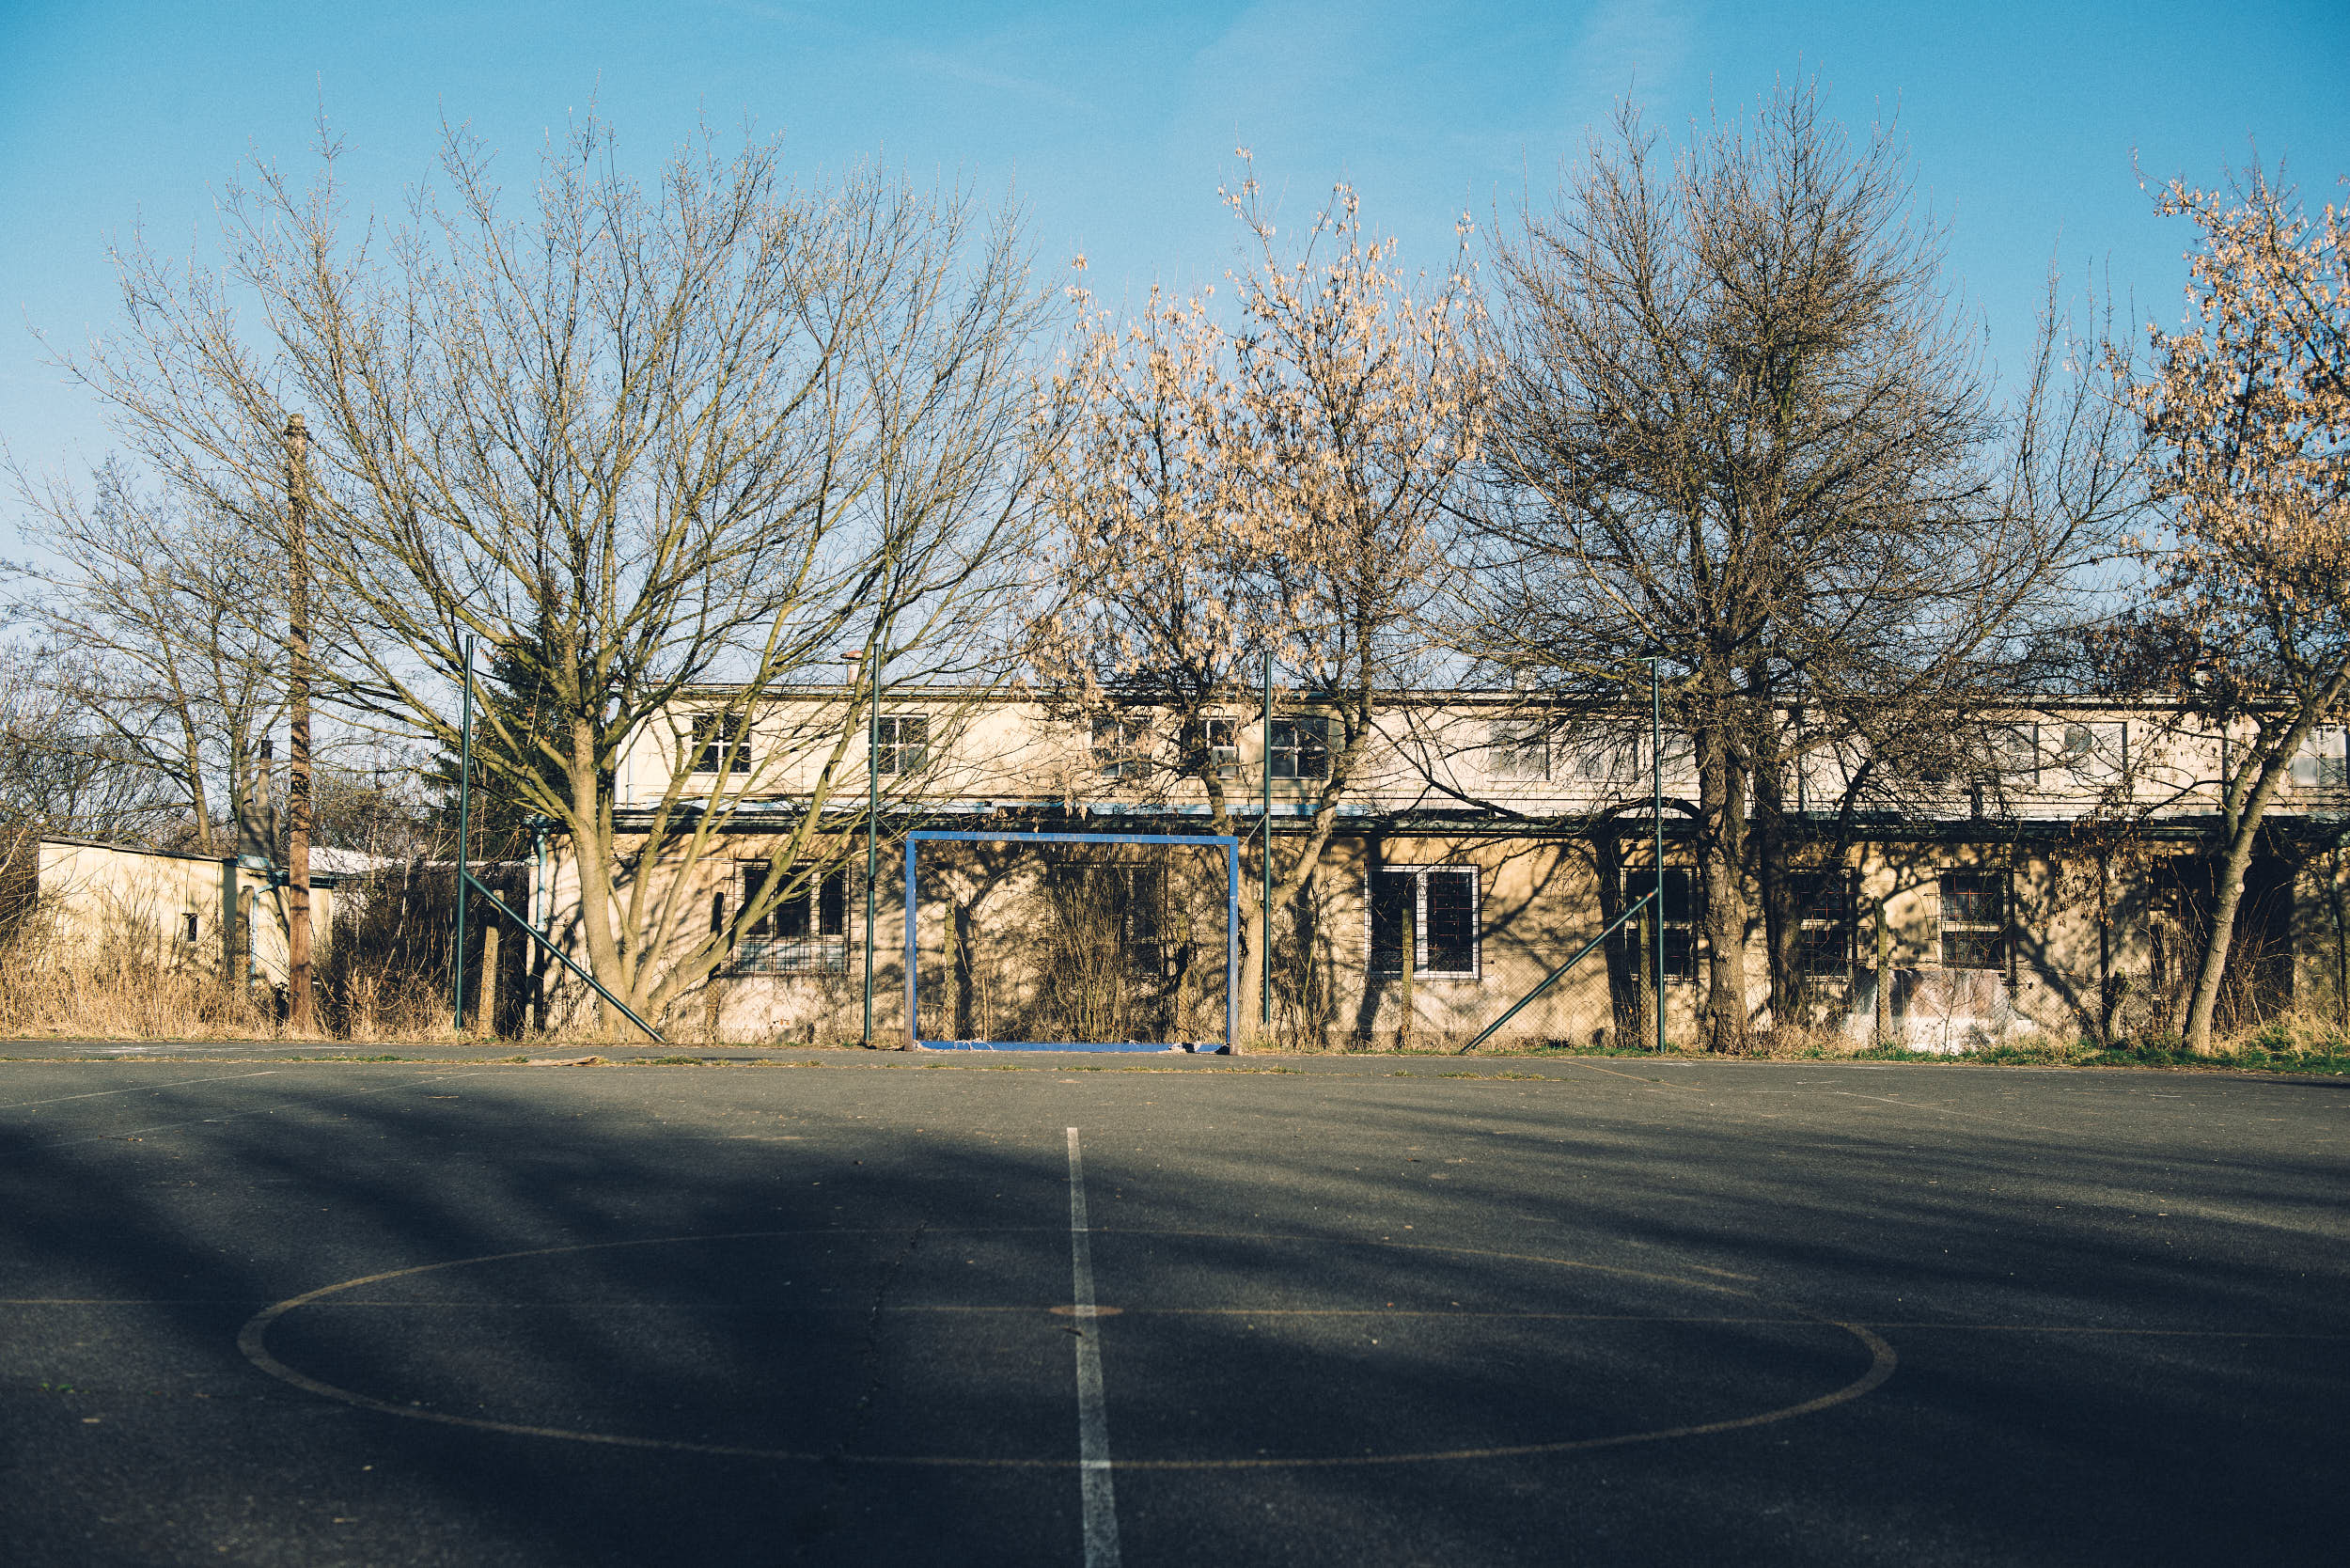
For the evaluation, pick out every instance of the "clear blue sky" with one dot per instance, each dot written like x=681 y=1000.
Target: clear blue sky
x=1115 y=124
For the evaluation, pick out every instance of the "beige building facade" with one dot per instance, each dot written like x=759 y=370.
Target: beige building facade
x=109 y=902
x=2056 y=890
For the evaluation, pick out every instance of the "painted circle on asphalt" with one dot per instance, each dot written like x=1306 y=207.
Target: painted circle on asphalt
x=253 y=1340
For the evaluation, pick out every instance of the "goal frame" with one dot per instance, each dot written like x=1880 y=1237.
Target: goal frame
x=1229 y=844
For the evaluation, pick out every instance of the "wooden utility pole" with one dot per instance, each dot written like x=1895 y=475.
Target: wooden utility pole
x=300 y=1016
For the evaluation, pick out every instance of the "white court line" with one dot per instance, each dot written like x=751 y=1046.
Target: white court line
x=238 y=1116
x=1093 y=1427
x=138 y=1089
x=1944 y=1110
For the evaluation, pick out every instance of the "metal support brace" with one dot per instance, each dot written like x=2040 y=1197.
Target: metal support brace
x=1548 y=981
x=568 y=963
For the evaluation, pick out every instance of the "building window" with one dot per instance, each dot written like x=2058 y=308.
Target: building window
x=906 y=744
x=1824 y=920
x=719 y=746
x=1439 y=903
x=2094 y=754
x=1224 y=748
x=2013 y=751
x=1679 y=928
x=807 y=933
x=1518 y=752
x=1605 y=761
x=2324 y=761
x=1121 y=750
x=1301 y=748
x=187 y=928
x=1974 y=921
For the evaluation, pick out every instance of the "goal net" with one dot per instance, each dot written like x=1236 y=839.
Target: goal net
x=1075 y=941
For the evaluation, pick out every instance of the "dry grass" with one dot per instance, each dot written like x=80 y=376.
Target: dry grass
x=126 y=987
x=132 y=983
x=2294 y=1042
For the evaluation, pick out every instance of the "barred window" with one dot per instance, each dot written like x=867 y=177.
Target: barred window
x=1439 y=902
x=1679 y=925
x=1974 y=921
x=807 y=933
x=1823 y=917
x=1133 y=900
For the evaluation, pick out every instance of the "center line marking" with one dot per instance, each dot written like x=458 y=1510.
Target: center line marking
x=1100 y=1503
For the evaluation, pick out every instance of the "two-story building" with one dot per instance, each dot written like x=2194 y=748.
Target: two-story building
x=2056 y=889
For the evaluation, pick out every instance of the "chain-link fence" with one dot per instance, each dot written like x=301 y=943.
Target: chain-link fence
x=1439 y=946
x=1418 y=942
x=1072 y=943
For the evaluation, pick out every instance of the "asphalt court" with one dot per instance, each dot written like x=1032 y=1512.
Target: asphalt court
x=1037 y=1310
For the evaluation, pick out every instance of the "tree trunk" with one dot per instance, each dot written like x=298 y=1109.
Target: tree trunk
x=1411 y=962
x=1721 y=809
x=2228 y=895
x=592 y=853
x=1782 y=925
x=1249 y=998
x=2342 y=943
x=2104 y=950
x=1625 y=968
x=1645 y=1000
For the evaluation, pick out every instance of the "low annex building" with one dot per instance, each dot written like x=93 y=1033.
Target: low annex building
x=165 y=910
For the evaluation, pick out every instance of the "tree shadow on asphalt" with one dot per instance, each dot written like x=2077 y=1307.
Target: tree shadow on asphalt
x=889 y=1297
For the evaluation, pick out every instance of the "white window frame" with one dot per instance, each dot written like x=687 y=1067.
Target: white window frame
x=2103 y=762
x=2324 y=761
x=1418 y=873
x=1294 y=750
x=890 y=760
x=1224 y=753
x=1517 y=753
x=1604 y=763
x=718 y=737
x=1121 y=748
x=2017 y=762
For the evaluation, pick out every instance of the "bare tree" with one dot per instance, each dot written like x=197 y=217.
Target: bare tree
x=1744 y=430
x=1271 y=488
x=175 y=617
x=664 y=447
x=60 y=776
x=2248 y=414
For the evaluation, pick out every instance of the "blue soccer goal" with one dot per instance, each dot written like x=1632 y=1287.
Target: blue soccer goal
x=1072 y=941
